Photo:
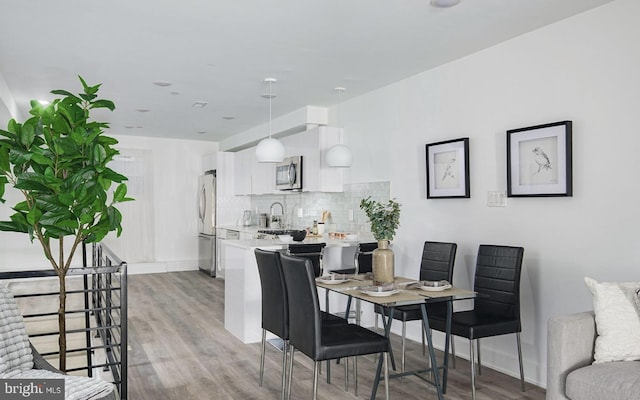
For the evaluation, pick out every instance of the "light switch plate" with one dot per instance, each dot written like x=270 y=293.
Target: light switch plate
x=496 y=199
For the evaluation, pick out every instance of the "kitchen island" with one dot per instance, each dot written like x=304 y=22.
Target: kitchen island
x=243 y=296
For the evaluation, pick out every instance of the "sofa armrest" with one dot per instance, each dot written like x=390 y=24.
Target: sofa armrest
x=39 y=362
x=570 y=344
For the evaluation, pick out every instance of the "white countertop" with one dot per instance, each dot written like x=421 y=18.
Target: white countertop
x=240 y=228
x=271 y=244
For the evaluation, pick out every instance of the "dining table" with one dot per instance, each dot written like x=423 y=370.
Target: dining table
x=402 y=292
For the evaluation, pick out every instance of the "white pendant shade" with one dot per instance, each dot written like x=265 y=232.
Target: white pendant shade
x=339 y=156
x=444 y=3
x=270 y=151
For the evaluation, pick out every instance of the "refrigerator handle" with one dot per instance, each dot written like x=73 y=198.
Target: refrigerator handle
x=201 y=204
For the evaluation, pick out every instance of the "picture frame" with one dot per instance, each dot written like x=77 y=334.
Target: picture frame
x=539 y=160
x=448 y=169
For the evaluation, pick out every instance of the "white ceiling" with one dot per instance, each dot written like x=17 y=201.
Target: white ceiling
x=220 y=51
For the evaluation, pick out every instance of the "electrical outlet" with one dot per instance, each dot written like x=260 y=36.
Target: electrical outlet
x=350 y=215
x=496 y=199
x=300 y=213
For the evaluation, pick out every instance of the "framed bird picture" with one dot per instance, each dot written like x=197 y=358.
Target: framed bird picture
x=448 y=169
x=539 y=161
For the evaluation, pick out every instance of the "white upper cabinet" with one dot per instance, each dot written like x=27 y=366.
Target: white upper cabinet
x=252 y=177
x=312 y=145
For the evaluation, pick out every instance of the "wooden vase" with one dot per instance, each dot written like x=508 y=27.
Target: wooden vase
x=383 y=264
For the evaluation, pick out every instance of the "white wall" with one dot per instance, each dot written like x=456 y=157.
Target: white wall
x=583 y=69
x=176 y=165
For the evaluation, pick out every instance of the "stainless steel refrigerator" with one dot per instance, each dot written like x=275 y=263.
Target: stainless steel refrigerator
x=207 y=223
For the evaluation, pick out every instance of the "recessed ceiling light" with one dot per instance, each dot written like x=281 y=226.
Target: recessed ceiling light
x=201 y=132
x=444 y=3
x=199 y=104
x=142 y=110
x=162 y=83
x=228 y=117
x=175 y=93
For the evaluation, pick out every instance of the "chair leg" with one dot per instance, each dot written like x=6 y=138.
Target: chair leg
x=290 y=373
x=315 y=379
x=355 y=374
x=264 y=342
x=424 y=349
x=479 y=361
x=520 y=360
x=453 y=351
x=285 y=347
x=346 y=374
x=386 y=376
x=329 y=371
x=472 y=361
x=404 y=334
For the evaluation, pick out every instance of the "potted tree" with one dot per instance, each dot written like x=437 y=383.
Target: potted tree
x=384 y=219
x=57 y=160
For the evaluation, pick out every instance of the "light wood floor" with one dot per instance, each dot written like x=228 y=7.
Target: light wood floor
x=179 y=350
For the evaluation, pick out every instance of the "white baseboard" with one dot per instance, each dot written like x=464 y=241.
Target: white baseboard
x=160 y=267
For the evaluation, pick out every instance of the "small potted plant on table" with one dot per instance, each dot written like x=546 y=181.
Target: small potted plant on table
x=384 y=219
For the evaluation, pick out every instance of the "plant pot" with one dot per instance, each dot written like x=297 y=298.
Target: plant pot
x=383 y=264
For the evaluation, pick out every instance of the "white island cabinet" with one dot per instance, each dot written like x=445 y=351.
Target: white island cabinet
x=242 y=289
x=242 y=294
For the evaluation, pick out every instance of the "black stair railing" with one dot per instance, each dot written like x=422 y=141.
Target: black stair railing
x=103 y=305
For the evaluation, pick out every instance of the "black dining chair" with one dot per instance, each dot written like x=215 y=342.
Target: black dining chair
x=496 y=309
x=312 y=251
x=438 y=259
x=319 y=341
x=362 y=260
x=275 y=307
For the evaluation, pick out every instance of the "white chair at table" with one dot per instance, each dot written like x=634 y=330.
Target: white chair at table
x=362 y=264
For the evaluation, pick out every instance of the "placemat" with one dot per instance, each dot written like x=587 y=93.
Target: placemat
x=402 y=295
x=454 y=291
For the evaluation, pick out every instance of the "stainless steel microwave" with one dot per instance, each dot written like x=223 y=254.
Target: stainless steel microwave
x=289 y=174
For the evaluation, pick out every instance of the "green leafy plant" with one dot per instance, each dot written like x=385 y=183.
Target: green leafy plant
x=58 y=160
x=384 y=218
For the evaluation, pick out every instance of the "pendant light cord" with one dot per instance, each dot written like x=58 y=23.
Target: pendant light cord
x=270 y=98
x=340 y=90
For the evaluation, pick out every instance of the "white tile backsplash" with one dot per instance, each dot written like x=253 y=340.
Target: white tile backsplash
x=313 y=203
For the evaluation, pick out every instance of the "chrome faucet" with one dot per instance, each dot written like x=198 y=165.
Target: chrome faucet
x=276 y=203
x=277 y=222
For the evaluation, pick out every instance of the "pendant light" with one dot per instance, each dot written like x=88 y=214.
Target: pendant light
x=270 y=150
x=339 y=155
x=444 y=3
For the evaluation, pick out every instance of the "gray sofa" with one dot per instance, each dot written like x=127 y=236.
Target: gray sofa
x=570 y=374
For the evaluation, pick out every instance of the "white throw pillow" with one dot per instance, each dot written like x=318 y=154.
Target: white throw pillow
x=617 y=321
x=15 y=351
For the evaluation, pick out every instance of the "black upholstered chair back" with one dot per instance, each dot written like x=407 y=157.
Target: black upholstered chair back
x=364 y=256
x=313 y=252
x=438 y=259
x=304 y=308
x=275 y=309
x=497 y=281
